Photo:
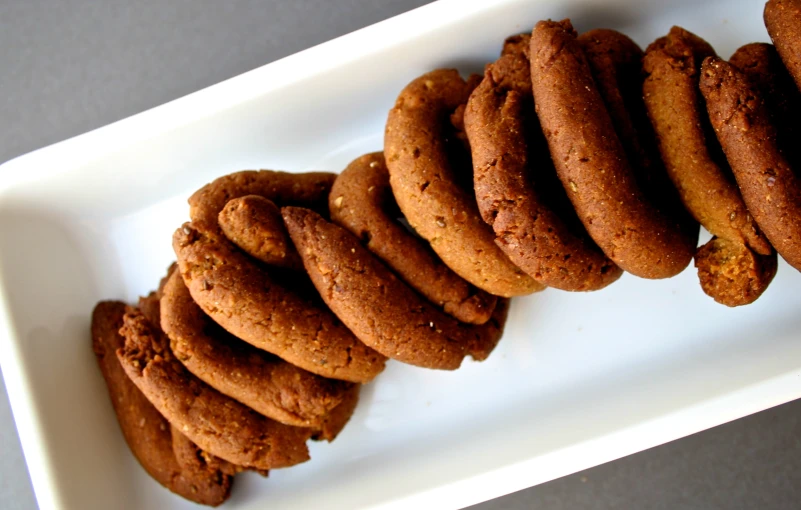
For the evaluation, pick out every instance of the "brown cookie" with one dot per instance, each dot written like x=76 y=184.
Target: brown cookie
x=378 y=307
x=764 y=68
x=519 y=44
x=254 y=224
x=430 y=190
x=783 y=21
x=361 y=201
x=616 y=65
x=144 y=428
x=767 y=181
x=690 y=152
x=246 y=301
x=517 y=190
x=191 y=458
x=216 y=423
x=483 y=339
x=307 y=190
x=260 y=380
x=733 y=274
x=591 y=162
x=336 y=420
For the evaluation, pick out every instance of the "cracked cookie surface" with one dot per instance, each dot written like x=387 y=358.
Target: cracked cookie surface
x=258 y=379
x=376 y=305
x=427 y=185
x=591 y=162
x=516 y=186
x=361 y=201
x=245 y=300
x=213 y=421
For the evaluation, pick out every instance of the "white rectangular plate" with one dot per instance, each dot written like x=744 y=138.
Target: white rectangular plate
x=579 y=379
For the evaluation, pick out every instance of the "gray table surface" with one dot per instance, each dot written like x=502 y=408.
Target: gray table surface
x=70 y=66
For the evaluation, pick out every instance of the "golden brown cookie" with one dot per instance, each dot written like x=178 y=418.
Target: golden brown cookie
x=728 y=272
x=733 y=274
x=246 y=301
x=192 y=459
x=482 y=339
x=591 y=161
x=378 y=307
x=254 y=224
x=336 y=420
x=764 y=68
x=783 y=21
x=691 y=154
x=616 y=65
x=770 y=187
x=516 y=187
x=144 y=428
x=256 y=378
x=307 y=190
x=429 y=189
x=361 y=201
x=216 y=423
x=519 y=44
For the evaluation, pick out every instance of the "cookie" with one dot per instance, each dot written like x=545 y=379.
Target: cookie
x=689 y=149
x=336 y=420
x=216 y=423
x=769 y=186
x=361 y=201
x=733 y=274
x=519 y=44
x=764 y=68
x=144 y=428
x=261 y=381
x=591 y=162
x=482 y=339
x=254 y=224
x=375 y=304
x=783 y=21
x=246 y=301
x=616 y=65
x=517 y=190
x=307 y=190
x=193 y=459
x=428 y=190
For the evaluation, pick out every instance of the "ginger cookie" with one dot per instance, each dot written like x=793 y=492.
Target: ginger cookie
x=145 y=430
x=616 y=65
x=429 y=189
x=783 y=21
x=375 y=304
x=769 y=186
x=765 y=69
x=691 y=154
x=216 y=423
x=336 y=420
x=514 y=180
x=361 y=201
x=254 y=224
x=283 y=188
x=733 y=274
x=246 y=301
x=592 y=163
x=256 y=378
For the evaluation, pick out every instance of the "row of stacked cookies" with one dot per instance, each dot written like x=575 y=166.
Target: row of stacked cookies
x=591 y=157
x=236 y=361
x=572 y=159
